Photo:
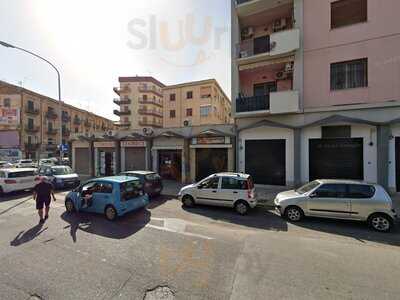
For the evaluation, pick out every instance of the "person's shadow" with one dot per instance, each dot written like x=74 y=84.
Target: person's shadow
x=27 y=236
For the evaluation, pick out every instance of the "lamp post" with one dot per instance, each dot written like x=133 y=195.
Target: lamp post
x=7 y=45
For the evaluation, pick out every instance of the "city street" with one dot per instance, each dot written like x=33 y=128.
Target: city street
x=198 y=253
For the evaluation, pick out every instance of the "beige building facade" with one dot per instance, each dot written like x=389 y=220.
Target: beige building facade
x=30 y=123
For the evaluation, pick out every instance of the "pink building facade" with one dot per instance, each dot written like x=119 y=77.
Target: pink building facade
x=317 y=89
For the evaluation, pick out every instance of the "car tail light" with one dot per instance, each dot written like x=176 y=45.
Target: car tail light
x=10 y=181
x=37 y=178
x=250 y=193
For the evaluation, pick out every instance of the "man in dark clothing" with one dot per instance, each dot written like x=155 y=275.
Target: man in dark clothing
x=42 y=193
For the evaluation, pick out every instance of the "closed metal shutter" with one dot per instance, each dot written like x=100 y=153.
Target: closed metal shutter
x=266 y=161
x=336 y=158
x=210 y=161
x=82 y=161
x=398 y=164
x=135 y=159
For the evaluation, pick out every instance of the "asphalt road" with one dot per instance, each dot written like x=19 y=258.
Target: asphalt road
x=166 y=252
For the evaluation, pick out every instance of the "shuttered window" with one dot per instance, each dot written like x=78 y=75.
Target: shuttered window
x=349 y=74
x=348 y=12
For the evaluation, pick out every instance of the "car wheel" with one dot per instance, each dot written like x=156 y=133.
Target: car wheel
x=294 y=213
x=110 y=213
x=1 y=192
x=241 y=207
x=69 y=206
x=188 y=201
x=380 y=222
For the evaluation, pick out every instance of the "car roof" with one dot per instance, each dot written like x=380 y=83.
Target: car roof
x=232 y=174
x=18 y=169
x=344 y=181
x=139 y=172
x=117 y=179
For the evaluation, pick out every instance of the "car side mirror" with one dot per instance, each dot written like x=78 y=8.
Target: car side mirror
x=313 y=195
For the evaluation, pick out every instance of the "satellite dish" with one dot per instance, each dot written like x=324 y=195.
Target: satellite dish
x=147 y=131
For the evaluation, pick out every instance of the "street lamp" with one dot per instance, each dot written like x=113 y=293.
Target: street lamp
x=7 y=45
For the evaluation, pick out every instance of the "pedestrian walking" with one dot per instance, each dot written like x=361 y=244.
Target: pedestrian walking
x=42 y=193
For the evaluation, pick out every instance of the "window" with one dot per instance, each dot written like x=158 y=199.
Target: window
x=336 y=132
x=172 y=97
x=131 y=190
x=76 y=129
x=30 y=123
x=189 y=95
x=189 y=112
x=7 y=102
x=331 y=191
x=348 y=12
x=360 y=191
x=172 y=114
x=50 y=126
x=144 y=97
x=31 y=105
x=105 y=188
x=349 y=74
x=229 y=183
x=205 y=111
x=210 y=183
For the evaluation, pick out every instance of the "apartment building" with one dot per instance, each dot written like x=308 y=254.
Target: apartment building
x=316 y=90
x=195 y=103
x=140 y=102
x=30 y=123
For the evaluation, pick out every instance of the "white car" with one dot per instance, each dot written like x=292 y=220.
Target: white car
x=20 y=179
x=25 y=163
x=223 y=189
x=47 y=162
x=5 y=165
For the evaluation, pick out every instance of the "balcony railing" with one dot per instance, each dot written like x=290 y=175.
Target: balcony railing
x=253 y=103
x=32 y=110
x=66 y=132
x=31 y=146
x=51 y=115
x=122 y=124
x=122 y=113
x=150 y=101
x=66 y=118
x=52 y=131
x=32 y=129
x=150 y=112
x=119 y=90
x=150 y=123
x=77 y=121
x=124 y=101
x=150 y=89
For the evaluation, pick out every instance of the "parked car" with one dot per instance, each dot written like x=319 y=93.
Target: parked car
x=111 y=196
x=151 y=181
x=339 y=199
x=60 y=176
x=25 y=163
x=5 y=165
x=223 y=189
x=46 y=162
x=20 y=179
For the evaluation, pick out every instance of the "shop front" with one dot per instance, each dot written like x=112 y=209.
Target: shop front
x=82 y=157
x=134 y=155
x=210 y=153
x=105 y=158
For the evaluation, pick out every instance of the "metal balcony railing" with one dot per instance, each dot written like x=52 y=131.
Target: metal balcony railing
x=51 y=115
x=253 y=103
x=32 y=110
x=122 y=113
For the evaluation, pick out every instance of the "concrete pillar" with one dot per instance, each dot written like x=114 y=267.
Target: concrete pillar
x=297 y=156
x=149 y=158
x=383 y=137
x=192 y=164
x=117 y=157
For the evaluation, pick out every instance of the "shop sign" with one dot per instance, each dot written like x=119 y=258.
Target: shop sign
x=209 y=140
x=9 y=116
x=133 y=144
x=80 y=145
x=104 y=144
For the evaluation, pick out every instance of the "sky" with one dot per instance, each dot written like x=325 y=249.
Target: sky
x=94 y=42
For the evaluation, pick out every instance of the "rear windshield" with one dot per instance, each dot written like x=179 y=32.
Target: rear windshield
x=131 y=190
x=62 y=171
x=152 y=177
x=22 y=174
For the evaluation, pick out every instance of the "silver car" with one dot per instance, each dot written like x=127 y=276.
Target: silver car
x=339 y=199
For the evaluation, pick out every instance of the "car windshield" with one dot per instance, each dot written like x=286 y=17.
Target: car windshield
x=62 y=171
x=131 y=189
x=307 y=187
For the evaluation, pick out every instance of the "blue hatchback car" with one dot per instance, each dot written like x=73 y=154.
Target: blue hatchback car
x=111 y=196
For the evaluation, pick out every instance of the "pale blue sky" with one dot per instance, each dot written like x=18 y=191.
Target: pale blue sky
x=93 y=42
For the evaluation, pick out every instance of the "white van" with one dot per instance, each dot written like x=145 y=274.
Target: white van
x=18 y=179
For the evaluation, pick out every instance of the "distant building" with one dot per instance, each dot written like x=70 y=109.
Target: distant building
x=30 y=123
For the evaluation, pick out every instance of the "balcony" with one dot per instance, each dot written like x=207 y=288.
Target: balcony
x=32 y=146
x=151 y=101
x=51 y=115
x=32 y=110
x=150 y=123
x=245 y=8
x=66 y=132
x=124 y=101
x=253 y=103
x=120 y=91
x=32 y=129
x=150 y=89
x=150 y=112
x=122 y=113
x=66 y=118
x=52 y=131
x=122 y=124
x=77 y=121
x=276 y=45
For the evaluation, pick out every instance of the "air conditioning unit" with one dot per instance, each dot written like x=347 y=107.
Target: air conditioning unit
x=186 y=123
x=244 y=54
x=281 y=75
x=289 y=67
x=279 y=25
x=111 y=133
x=247 y=32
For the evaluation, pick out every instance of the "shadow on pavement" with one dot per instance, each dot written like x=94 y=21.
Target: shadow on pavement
x=27 y=236
x=14 y=196
x=122 y=228
x=158 y=201
x=359 y=231
x=258 y=217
